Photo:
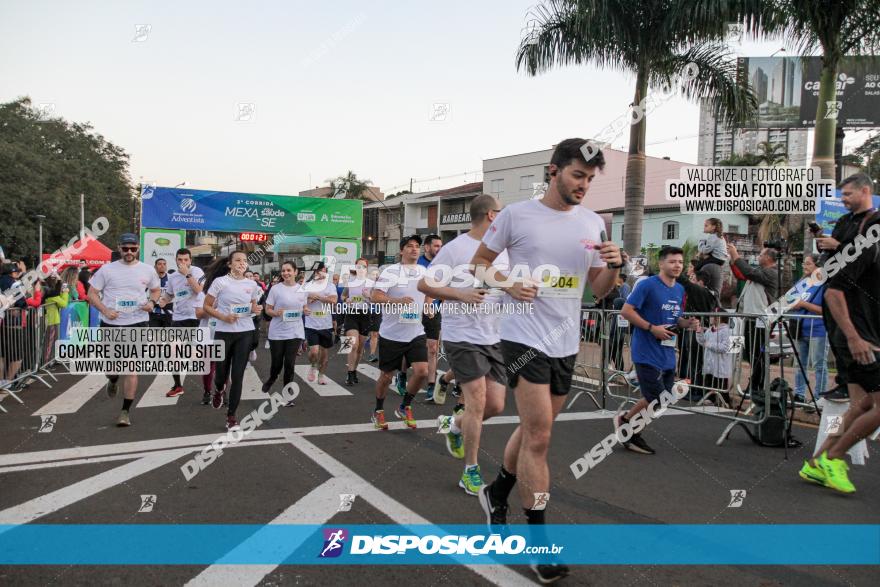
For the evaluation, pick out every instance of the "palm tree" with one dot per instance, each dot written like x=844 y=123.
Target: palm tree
x=771 y=154
x=656 y=40
x=350 y=187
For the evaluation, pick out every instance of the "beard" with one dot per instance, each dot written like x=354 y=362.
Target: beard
x=567 y=195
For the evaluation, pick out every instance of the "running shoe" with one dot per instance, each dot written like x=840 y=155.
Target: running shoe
x=458 y=410
x=496 y=511
x=349 y=378
x=268 y=385
x=400 y=384
x=456 y=390
x=836 y=394
x=206 y=398
x=232 y=424
x=378 y=420
x=252 y=357
x=454 y=442
x=111 y=387
x=322 y=380
x=438 y=394
x=123 y=419
x=550 y=573
x=217 y=399
x=471 y=480
x=174 y=391
x=638 y=444
x=312 y=374
x=405 y=413
x=354 y=375
x=812 y=473
x=835 y=473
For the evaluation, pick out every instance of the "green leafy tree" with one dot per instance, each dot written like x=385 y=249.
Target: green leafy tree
x=45 y=164
x=654 y=39
x=352 y=187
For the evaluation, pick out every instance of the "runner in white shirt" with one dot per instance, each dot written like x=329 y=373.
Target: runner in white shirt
x=285 y=303
x=540 y=348
x=357 y=315
x=401 y=334
x=319 y=321
x=124 y=292
x=232 y=300
x=210 y=323
x=181 y=290
x=471 y=318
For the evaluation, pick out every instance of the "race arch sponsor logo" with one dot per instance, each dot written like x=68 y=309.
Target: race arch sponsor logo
x=188 y=205
x=306 y=217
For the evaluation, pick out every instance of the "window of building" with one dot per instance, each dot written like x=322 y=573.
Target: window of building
x=670 y=231
x=496 y=186
x=423 y=212
x=525 y=183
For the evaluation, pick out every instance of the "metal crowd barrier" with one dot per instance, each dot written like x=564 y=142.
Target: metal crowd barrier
x=604 y=369
x=22 y=340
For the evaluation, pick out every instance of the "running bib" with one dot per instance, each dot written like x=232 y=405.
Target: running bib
x=241 y=310
x=413 y=317
x=182 y=294
x=290 y=315
x=357 y=299
x=670 y=342
x=127 y=305
x=622 y=322
x=564 y=286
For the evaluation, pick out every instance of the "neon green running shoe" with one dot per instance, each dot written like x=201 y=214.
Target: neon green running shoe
x=835 y=474
x=471 y=480
x=454 y=442
x=811 y=473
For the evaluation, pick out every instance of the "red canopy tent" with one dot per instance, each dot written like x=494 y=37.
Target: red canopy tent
x=94 y=254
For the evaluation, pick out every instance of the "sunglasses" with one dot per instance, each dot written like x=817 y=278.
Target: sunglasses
x=129 y=249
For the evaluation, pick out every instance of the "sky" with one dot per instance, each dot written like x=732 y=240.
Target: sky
x=276 y=97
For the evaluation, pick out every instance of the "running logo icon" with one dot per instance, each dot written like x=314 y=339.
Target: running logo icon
x=834 y=424
x=333 y=541
x=147 y=503
x=346 y=345
x=47 y=423
x=541 y=500
x=737 y=497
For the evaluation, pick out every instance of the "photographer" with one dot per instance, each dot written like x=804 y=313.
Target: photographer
x=855 y=193
x=762 y=285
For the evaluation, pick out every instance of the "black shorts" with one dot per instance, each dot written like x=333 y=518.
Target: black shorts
x=392 y=353
x=471 y=361
x=866 y=376
x=359 y=322
x=375 y=321
x=187 y=323
x=322 y=338
x=158 y=320
x=536 y=367
x=135 y=325
x=432 y=325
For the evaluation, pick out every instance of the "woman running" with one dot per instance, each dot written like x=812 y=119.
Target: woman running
x=319 y=323
x=285 y=304
x=232 y=300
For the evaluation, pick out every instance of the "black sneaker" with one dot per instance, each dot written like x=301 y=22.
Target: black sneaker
x=268 y=385
x=354 y=376
x=638 y=444
x=836 y=394
x=550 y=573
x=206 y=398
x=496 y=512
x=349 y=379
x=456 y=390
x=374 y=358
x=112 y=386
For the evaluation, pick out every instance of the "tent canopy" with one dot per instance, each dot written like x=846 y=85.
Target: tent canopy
x=94 y=254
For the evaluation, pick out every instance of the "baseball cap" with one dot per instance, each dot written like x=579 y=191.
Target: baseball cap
x=127 y=238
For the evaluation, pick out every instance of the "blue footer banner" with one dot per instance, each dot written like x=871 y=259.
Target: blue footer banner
x=206 y=544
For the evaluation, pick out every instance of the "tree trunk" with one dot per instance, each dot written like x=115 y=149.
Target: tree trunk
x=824 y=135
x=634 y=189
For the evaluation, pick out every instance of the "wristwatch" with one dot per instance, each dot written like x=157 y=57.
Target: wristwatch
x=650 y=326
x=618 y=266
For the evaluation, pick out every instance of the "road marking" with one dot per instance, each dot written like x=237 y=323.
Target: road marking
x=374 y=373
x=155 y=394
x=75 y=397
x=41 y=459
x=54 y=501
x=316 y=507
x=331 y=389
x=252 y=385
x=399 y=513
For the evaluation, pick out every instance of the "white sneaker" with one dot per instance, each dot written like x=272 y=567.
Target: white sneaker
x=252 y=357
x=322 y=380
x=267 y=346
x=312 y=373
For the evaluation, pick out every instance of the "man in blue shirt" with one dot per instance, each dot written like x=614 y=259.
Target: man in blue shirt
x=654 y=310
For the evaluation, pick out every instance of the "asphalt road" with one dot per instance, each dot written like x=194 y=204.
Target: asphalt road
x=86 y=470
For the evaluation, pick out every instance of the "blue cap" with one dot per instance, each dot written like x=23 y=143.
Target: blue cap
x=127 y=238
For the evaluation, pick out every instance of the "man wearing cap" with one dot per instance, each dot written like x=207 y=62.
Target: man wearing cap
x=125 y=292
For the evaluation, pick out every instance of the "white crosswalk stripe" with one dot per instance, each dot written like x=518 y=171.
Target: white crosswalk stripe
x=75 y=397
x=331 y=389
x=155 y=394
x=251 y=385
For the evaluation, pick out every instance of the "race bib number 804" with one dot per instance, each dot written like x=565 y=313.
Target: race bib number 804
x=563 y=286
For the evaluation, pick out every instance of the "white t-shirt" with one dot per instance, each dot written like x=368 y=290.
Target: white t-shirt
x=234 y=296
x=181 y=294
x=535 y=234
x=208 y=321
x=291 y=299
x=358 y=293
x=463 y=323
x=124 y=289
x=321 y=317
x=399 y=281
